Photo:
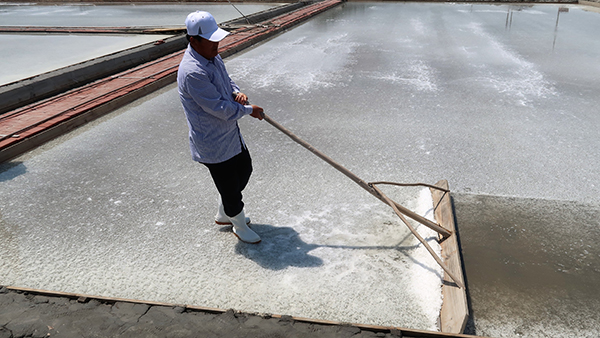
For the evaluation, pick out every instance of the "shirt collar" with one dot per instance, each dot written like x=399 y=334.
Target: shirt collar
x=203 y=61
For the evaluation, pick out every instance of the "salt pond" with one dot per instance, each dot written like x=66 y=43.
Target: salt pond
x=25 y=55
x=118 y=15
x=498 y=99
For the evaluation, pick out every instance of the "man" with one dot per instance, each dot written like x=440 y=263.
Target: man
x=212 y=104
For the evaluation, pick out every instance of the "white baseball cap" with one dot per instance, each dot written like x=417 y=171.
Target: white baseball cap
x=203 y=24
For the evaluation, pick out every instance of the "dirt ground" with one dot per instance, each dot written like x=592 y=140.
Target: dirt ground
x=25 y=314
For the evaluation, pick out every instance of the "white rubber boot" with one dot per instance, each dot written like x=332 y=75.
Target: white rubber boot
x=221 y=218
x=241 y=230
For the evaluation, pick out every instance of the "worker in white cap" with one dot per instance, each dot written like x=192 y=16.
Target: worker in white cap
x=213 y=104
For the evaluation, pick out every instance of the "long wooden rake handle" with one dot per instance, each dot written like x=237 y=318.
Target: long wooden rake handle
x=436 y=227
x=410 y=227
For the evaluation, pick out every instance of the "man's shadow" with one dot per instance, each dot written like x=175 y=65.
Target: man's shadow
x=280 y=247
x=11 y=170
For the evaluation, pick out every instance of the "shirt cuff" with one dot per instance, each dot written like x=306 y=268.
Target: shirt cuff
x=248 y=109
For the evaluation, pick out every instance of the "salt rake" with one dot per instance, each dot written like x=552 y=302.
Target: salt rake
x=372 y=188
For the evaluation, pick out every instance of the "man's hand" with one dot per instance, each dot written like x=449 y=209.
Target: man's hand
x=241 y=98
x=257 y=112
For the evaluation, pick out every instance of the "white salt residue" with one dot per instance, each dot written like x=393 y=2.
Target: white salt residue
x=533 y=11
x=480 y=11
x=334 y=221
x=523 y=79
x=308 y=216
x=416 y=74
x=504 y=10
x=508 y=72
x=418 y=26
x=318 y=63
x=426 y=274
x=360 y=245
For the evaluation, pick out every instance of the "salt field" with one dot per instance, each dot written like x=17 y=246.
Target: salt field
x=123 y=219
x=60 y=50
x=118 y=15
x=500 y=100
x=20 y=57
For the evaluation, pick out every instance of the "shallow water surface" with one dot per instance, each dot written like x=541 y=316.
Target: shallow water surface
x=533 y=266
x=25 y=55
x=118 y=15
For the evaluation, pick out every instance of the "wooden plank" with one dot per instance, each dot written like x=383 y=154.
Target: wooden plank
x=455 y=311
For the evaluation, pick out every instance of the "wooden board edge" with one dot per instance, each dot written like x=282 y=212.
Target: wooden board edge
x=455 y=311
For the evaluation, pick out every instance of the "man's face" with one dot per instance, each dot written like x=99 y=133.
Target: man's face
x=204 y=47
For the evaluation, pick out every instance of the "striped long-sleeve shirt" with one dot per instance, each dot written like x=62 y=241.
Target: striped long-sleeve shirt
x=205 y=90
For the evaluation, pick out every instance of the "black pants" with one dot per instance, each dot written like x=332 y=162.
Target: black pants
x=231 y=178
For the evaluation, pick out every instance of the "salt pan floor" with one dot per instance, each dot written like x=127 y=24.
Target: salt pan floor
x=428 y=91
x=120 y=210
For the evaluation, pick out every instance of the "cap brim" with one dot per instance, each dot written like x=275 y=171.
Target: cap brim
x=216 y=36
